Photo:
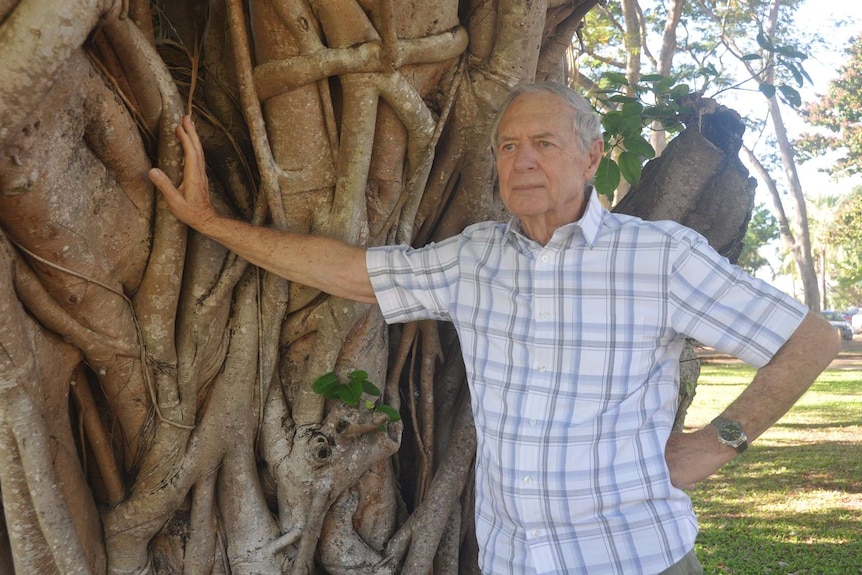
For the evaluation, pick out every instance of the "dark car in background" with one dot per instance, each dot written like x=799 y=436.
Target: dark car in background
x=836 y=318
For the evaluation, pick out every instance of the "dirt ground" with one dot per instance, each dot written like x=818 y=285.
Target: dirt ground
x=850 y=356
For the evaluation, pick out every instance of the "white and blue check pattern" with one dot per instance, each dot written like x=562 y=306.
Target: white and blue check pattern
x=572 y=355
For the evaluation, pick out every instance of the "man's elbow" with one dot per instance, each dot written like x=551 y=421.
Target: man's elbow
x=826 y=341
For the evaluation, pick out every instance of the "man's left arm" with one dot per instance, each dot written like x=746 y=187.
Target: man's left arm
x=692 y=457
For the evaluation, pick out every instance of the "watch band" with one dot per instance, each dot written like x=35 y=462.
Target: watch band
x=730 y=433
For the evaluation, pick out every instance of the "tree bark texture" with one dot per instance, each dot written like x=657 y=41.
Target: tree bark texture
x=157 y=414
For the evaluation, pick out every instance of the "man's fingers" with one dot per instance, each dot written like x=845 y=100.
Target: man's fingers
x=189 y=139
x=164 y=184
x=160 y=179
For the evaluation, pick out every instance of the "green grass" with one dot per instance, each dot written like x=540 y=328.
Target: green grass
x=792 y=503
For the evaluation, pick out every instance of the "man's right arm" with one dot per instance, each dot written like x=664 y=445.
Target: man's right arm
x=325 y=263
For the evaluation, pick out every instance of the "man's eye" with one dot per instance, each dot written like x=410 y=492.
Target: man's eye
x=545 y=144
x=507 y=147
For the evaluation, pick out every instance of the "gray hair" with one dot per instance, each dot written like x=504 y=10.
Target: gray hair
x=587 y=124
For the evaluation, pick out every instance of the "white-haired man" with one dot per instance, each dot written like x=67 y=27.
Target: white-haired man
x=571 y=321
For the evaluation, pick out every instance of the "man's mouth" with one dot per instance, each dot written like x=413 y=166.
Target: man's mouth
x=526 y=186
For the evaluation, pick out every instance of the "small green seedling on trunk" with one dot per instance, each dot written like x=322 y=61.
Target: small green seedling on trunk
x=329 y=386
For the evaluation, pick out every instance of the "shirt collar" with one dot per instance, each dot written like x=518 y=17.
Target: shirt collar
x=590 y=223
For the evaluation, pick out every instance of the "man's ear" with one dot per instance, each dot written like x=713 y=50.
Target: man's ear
x=595 y=152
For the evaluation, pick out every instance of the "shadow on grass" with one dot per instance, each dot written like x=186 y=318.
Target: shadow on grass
x=784 y=509
x=819 y=426
x=758 y=551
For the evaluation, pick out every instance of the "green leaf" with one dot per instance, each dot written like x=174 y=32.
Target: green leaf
x=622 y=99
x=324 y=383
x=638 y=145
x=750 y=57
x=679 y=91
x=612 y=122
x=804 y=73
x=356 y=386
x=672 y=125
x=391 y=412
x=358 y=374
x=791 y=96
x=607 y=176
x=709 y=70
x=369 y=405
x=633 y=108
x=630 y=167
x=768 y=90
x=652 y=78
x=664 y=84
x=370 y=388
x=764 y=42
x=346 y=394
x=791 y=52
x=794 y=71
x=632 y=124
x=333 y=393
x=616 y=78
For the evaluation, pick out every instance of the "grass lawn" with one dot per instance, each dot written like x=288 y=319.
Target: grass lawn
x=792 y=503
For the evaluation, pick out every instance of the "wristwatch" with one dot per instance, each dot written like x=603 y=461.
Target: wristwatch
x=730 y=433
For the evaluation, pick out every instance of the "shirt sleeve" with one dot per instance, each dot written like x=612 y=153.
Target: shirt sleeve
x=414 y=284
x=719 y=305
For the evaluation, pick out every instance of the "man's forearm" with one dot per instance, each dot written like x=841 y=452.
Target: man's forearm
x=324 y=263
x=781 y=382
x=692 y=457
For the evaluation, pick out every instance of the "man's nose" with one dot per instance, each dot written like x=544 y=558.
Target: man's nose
x=525 y=157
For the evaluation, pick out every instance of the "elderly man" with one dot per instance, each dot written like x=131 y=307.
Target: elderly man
x=571 y=321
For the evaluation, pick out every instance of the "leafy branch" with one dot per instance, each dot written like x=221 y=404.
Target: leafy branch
x=329 y=386
x=656 y=98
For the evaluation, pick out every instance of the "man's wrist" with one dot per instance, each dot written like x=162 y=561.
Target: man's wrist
x=730 y=433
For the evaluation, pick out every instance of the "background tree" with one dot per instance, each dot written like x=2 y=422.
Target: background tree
x=821 y=215
x=844 y=237
x=724 y=46
x=762 y=230
x=839 y=111
x=165 y=407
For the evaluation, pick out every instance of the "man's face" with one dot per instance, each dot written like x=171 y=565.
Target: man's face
x=542 y=168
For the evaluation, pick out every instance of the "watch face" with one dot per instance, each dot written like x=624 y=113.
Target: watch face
x=730 y=432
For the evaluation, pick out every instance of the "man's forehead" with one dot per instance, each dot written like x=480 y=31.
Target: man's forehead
x=537 y=107
x=504 y=135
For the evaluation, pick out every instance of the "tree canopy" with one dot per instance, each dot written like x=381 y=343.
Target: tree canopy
x=839 y=112
x=844 y=237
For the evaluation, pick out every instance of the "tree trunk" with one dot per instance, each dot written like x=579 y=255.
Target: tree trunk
x=658 y=137
x=698 y=176
x=193 y=441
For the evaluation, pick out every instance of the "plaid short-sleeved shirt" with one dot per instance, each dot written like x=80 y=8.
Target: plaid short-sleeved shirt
x=572 y=356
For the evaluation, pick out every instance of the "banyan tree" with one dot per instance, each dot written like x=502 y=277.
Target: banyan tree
x=157 y=407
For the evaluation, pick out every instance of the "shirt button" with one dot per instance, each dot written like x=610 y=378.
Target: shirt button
x=541 y=369
x=532 y=422
x=545 y=258
x=534 y=532
x=543 y=315
x=528 y=479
